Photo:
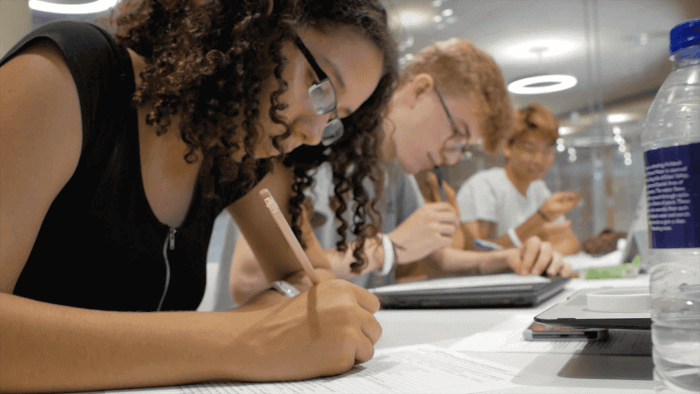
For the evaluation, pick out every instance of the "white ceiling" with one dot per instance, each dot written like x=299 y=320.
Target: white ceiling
x=617 y=49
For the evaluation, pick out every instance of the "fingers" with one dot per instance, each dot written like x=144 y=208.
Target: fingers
x=365 y=299
x=364 y=351
x=370 y=327
x=543 y=259
x=529 y=252
x=558 y=267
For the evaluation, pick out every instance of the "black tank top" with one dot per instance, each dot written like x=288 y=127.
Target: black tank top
x=100 y=245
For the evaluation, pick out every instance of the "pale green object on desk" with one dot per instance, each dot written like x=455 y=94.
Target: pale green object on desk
x=627 y=270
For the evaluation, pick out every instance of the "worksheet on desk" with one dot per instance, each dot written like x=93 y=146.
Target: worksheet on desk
x=411 y=369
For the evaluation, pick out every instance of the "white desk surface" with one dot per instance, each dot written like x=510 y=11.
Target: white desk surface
x=541 y=373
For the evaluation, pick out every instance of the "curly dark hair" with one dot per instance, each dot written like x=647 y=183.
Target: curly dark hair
x=206 y=61
x=355 y=156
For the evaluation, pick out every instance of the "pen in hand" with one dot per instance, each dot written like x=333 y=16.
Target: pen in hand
x=297 y=250
x=438 y=173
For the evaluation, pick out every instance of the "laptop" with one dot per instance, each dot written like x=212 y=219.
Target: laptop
x=489 y=291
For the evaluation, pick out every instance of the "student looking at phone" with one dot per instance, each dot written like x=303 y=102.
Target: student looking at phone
x=509 y=204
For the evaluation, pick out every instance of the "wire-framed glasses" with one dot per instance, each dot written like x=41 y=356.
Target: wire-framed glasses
x=457 y=142
x=322 y=98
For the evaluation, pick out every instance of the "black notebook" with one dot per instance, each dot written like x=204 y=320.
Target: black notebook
x=504 y=290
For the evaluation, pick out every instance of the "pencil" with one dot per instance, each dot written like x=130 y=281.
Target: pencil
x=289 y=235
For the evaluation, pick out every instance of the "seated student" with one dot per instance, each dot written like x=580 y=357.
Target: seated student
x=116 y=155
x=450 y=96
x=509 y=204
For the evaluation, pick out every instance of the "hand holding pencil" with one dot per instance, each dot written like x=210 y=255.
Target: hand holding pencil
x=297 y=250
x=324 y=330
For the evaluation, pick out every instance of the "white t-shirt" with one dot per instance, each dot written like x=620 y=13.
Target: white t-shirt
x=489 y=195
x=401 y=198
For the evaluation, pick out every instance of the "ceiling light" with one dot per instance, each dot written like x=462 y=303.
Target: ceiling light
x=616 y=130
x=564 y=131
x=447 y=12
x=628 y=161
x=542 y=84
x=85 y=8
x=562 y=46
x=413 y=18
x=436 y=3
x=437 y=19
x=618 y=118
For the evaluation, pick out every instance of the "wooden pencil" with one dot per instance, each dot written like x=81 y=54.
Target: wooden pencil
x=289 y=236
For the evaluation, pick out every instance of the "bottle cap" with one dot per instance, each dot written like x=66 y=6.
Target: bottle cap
x=684 y=35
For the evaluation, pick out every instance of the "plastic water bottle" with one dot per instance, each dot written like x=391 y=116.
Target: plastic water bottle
x=671 y=141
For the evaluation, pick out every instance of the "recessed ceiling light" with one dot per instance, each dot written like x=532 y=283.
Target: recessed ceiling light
x=618 y=118
x=542 y=84
x=437 y=19
x=411 y=18
x=561 y=46
x=564 y=131
x=447 y=12
x=85 y=8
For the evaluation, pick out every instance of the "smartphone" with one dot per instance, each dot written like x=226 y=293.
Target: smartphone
x=544 y=332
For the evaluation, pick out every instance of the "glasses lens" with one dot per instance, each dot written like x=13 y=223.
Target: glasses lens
x=322 y=97
x=332 y=132
x=456 y=143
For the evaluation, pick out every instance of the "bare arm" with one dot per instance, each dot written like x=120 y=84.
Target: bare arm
x=46 y=347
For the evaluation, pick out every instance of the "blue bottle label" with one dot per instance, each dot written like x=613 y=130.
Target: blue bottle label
x=673 y=193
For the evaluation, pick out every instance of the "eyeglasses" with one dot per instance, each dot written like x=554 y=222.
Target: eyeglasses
x=457 y=142
x=322 y=98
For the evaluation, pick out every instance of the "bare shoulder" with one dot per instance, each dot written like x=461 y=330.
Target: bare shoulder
x=39 y=102
x=40 y=143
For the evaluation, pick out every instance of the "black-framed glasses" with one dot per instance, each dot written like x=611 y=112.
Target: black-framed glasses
x=322 y=98
x=457 y=142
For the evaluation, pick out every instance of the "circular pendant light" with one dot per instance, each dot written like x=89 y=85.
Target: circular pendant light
x=542 y=84
x=83 y=8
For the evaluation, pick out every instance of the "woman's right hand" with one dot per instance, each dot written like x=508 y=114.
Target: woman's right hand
x=321 y=332
x=559 y=203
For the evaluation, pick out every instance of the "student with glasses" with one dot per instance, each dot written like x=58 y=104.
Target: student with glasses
x=508 y=204
x=118 y=151
x=451 y=97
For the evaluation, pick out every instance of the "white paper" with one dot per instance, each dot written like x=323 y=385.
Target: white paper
x=410 y=369
x=462 y=282
x=508 y=337
x=582 y=260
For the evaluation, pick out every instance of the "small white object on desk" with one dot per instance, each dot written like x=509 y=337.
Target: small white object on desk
x=633 y=299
